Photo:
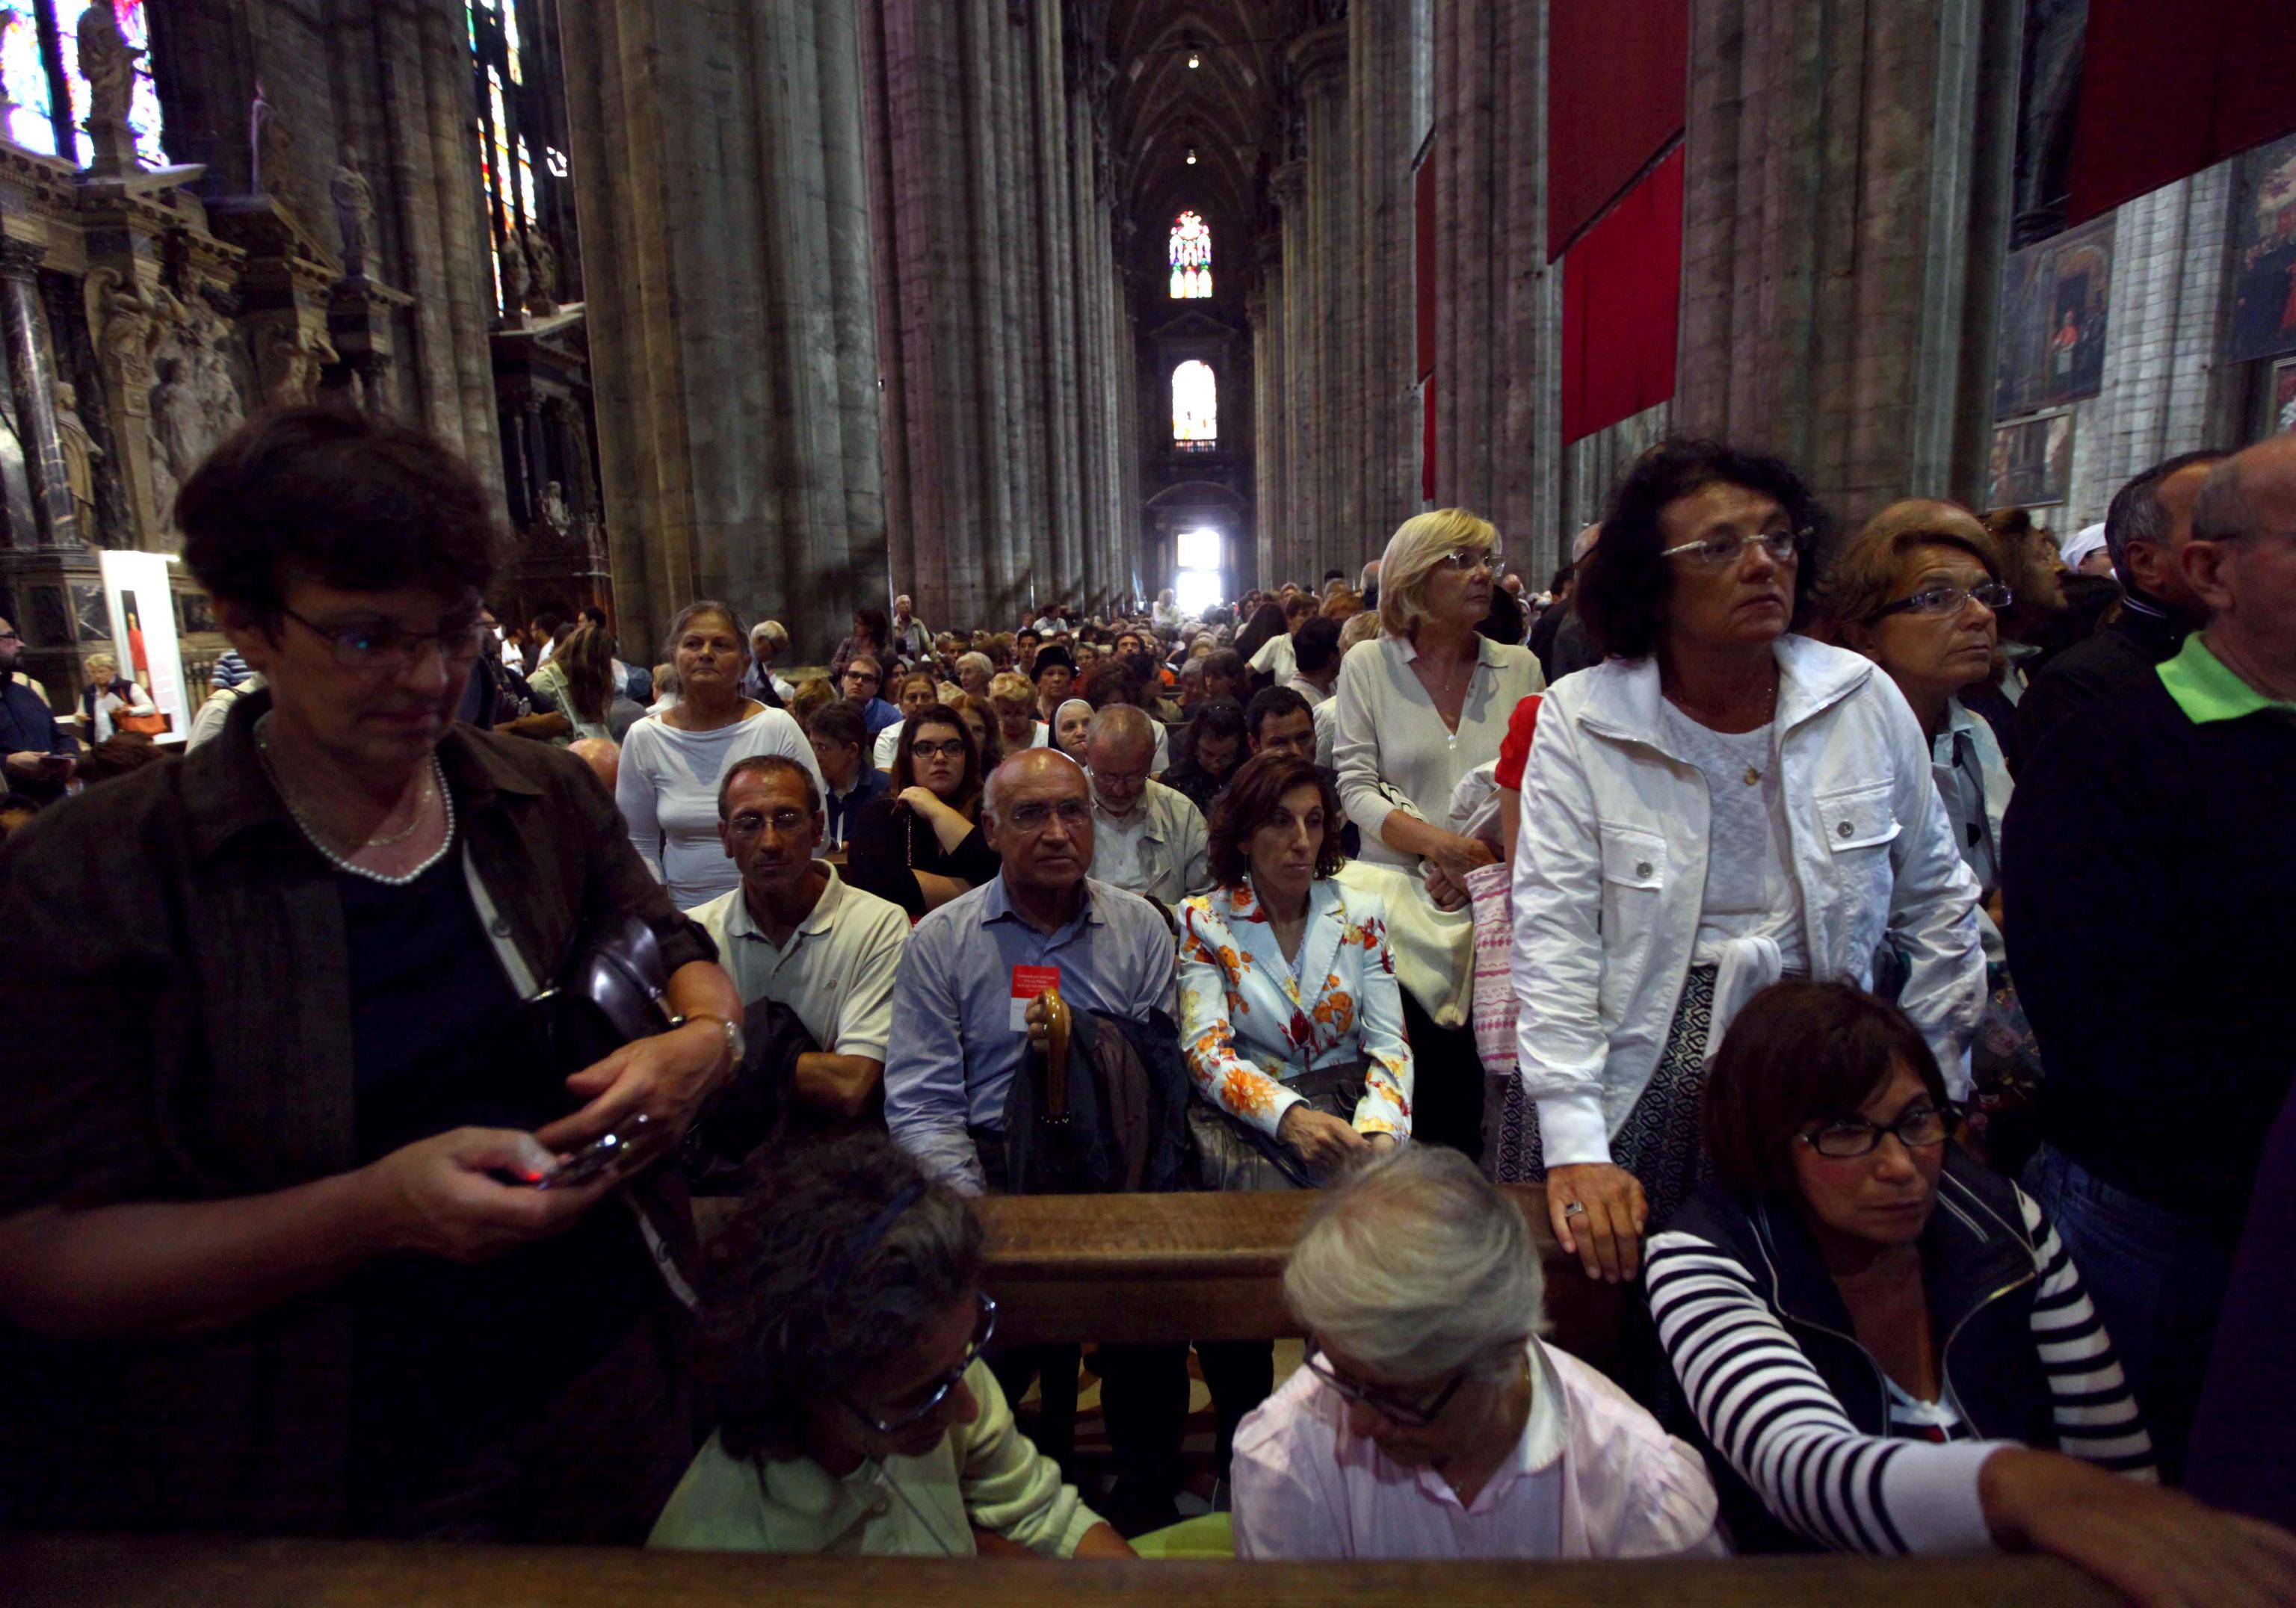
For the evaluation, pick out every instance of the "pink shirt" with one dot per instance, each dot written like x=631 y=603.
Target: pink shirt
x=1593 y=1476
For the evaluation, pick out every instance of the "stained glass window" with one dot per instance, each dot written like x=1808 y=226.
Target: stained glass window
x=47 y=96
x=1195 y=407
x=513 y=124
x=1192 y=258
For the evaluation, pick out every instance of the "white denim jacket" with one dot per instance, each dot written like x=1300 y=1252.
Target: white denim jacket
x=1610 y=875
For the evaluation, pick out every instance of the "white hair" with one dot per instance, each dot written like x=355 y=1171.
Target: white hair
x=1418 y=1267
x=986 y=665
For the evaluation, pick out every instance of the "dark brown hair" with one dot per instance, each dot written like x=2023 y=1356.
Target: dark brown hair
x=1249 y=802
x=340 y=498
x=1800 y=1052
x=905 y=772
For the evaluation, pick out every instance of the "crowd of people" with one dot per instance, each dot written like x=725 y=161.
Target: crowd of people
x=1863 y=941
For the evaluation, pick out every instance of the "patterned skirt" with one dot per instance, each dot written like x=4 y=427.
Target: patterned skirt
x=1659 y=1143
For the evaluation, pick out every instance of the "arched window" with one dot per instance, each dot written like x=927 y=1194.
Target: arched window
x=1195 y=407
x=1192 y=258
x=46 y=94
x=512 y=124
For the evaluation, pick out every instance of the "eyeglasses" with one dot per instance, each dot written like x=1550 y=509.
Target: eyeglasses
x=1074 y=812
x=10 y=636
x=1720 y=550
x=749 y=823
x=950 y=748
x=1464 y=560
x=1935 y=600
x=870 y=676
x=1412 y=1413
x=1845 y=1138
x=373 y=643
x=984 y=1329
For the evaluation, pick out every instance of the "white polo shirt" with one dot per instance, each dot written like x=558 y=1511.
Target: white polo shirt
x=836 y=971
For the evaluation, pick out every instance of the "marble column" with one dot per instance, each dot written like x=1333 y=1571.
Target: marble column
x=1848 y=199
x=1498 y=312
x=1302 y=512
x=719 y=164
x=1319 y=60
x=1263 y=311
x=31 y=381
x=1381 y=414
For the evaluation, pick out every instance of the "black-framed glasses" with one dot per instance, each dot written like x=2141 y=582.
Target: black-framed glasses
x=371 y=644
x=1846 y=1138
x=951 y=747
x=918 y=1405
x=1723 y=548
x=10 y=636
x=1932 y=602
x=863 y=675
x=1412 y=1412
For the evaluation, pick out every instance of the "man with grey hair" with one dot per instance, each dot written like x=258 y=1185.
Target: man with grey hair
x=1147 y=838
x=2145 y=528
x=766 y=639
x=1430 y=1420
x=911 y=640
x=2148 y=878
x=968 y=1009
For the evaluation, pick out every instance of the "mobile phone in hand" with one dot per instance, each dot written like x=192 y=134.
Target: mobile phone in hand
x=630 y=1141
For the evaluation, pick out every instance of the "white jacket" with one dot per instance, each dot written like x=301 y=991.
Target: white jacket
x=1609 y=874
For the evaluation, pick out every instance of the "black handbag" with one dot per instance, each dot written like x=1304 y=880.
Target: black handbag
x=606 y=993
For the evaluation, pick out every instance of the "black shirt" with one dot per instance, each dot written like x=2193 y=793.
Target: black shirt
x=889 y=842
x=2115 y=663
x=450 y=1355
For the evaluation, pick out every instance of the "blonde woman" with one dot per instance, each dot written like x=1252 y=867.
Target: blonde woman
x=107 y=696
x=1013 y=697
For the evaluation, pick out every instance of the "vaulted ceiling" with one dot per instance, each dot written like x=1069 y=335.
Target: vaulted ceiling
x=1228 y=108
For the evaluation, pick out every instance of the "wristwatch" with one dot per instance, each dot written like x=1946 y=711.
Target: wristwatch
x=736 y=1044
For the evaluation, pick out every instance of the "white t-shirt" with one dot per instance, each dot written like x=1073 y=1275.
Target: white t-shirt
x=889 y=743
x=1750 y=890
x=668 y=791
x=1277 y=657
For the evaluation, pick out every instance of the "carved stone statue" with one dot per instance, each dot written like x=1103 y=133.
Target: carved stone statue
x=542 y=299
x=108 y=63
x=297 y=357
x=354 y=200
x=515 y=280
x=80 y=453
x=554 y=512
x=179 y=437
x=212 y=385
x=128 y=325
x=270 y=145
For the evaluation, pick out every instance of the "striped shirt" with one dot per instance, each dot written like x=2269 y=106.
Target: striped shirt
x=1764 y=1406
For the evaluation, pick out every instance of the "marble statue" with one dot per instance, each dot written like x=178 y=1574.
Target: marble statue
x=297 y=358
x=129 y=324
x=216 y=392
x=354 y=200
x=515 y=280
x=179 y=437
x=554 y=512
x=108 y=63
x=542 y=299
x=270 y=142
x=80 y=453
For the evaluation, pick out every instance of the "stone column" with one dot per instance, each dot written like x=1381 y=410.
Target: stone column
x=1298 y=311
x=1381 y=416
x=1847 y=206
x=31 y=381
x=726 y=259
x=1319 y=60
x=1266 y=426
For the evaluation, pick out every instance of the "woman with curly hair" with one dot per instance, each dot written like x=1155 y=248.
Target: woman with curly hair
x=843 y=1324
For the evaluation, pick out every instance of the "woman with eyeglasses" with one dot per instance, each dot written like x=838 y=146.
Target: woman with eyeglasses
x=842 y=1323
x=921 y=845
x=1885 y=1345
x=1430 y=1420
x=1722 y=803
x=1919 y=592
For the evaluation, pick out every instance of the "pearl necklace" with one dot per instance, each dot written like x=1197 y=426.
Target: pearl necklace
x=342 y=863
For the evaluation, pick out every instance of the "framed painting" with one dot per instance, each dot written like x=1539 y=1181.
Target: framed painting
x=2264 y=255
x=2053 y=299
x=2032 y=462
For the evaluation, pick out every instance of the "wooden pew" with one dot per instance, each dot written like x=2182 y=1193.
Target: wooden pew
x=1072 y=1268
x=129 y=1572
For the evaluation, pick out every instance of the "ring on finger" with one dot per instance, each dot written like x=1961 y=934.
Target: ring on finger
x=1572 y=1208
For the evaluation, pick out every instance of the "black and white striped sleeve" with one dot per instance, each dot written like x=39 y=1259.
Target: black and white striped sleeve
x=1769 y=1410
x=2095 y=1413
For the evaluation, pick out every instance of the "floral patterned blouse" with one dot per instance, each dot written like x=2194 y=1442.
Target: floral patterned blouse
x=1250 y=1021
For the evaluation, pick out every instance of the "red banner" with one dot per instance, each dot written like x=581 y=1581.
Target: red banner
x=1623 y=306
x=1617 y=90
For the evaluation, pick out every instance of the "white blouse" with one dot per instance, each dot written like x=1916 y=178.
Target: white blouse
x=1393 y=751
x=668 y=791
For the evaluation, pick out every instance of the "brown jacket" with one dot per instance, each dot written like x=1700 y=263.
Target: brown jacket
x=175 y=985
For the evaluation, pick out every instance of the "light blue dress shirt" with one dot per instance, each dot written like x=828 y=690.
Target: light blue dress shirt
x=954 y=1048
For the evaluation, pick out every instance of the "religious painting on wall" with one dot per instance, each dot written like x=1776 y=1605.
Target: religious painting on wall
x=142 y=617
x=2053 y=298
x=2032 y=462
x=2264 y=255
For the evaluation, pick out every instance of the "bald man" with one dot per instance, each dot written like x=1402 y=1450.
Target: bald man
x=2148 y=876
x=602 y=754
x=1147 y=838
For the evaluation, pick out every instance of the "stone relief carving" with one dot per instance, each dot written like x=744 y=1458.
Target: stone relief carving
x=129 y=324
x=354 y=200
x=80 y=454
x=542 y=297
x=295 y=357
x=221 y=411
x=178 y=438
x=108 y=63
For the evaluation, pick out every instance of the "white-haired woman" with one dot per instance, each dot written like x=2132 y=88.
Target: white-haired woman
x=107 y=696
x=1430 y=1421
x=1431 y=703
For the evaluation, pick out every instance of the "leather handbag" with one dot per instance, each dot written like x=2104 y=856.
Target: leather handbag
x=1236 y=1156
x=607 y=992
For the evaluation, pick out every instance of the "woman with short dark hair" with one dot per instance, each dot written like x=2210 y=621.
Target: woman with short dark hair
x=1724 y=801
x=843 y=1321
x=274 y=1253
x=1886 y=1345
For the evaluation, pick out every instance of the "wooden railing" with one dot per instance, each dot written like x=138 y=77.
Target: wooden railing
x=1208 y=1267
x=122 y=1572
